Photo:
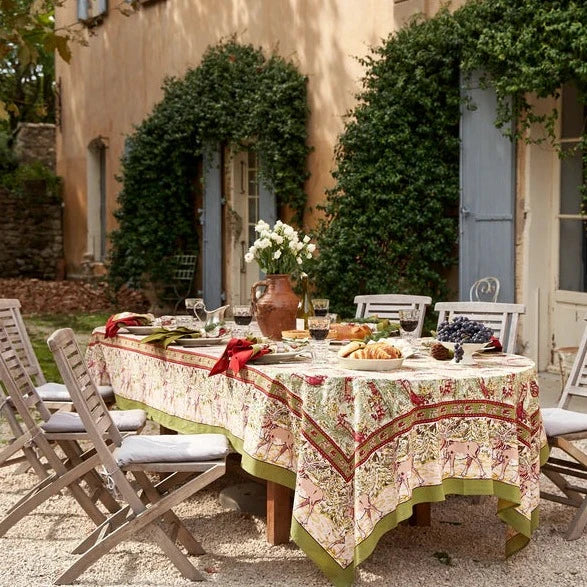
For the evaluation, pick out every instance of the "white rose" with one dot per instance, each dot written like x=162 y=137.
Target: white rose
x=299 y=260
x=289 y=230
x=264 y=243
x=309 y=256
x=261 y=226
x=277 y=238
x=306 y=239
x=299 y=246
x=293 y=246
x=249 y=257
x=278 y=224
x=311 y=248
x=265 y=234
x=277 y=254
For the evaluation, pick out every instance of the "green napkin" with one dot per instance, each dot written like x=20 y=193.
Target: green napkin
x=167 y=337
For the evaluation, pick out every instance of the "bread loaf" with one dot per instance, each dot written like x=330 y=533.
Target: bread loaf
x=349 y=331
x=376 y=351
x=295 y=333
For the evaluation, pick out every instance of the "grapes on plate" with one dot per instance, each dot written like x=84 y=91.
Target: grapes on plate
x=462 y=330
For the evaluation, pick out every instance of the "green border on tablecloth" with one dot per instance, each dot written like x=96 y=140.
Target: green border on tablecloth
x=509 y=498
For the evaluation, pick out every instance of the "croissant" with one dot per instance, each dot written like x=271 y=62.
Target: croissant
x=376 y=351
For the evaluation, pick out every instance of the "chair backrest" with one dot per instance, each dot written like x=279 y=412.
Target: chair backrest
x=485 y=289
x=81 y=387
x=91 y=408
x=389 y=305
x=577 y=382
x=11 y=320
x=501 y=318
x=19 y=384
x=184 y=267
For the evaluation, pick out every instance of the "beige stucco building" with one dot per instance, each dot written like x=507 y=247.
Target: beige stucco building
x=114 y=82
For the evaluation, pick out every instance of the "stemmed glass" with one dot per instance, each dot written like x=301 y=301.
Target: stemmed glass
x=320 y=306
x=319 y=327
x=408 y=321
x=243 y=315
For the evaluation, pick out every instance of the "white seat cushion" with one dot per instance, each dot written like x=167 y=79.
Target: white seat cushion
x=172 y=448
x=125 y=420
x=57 y=392
x=558 y=421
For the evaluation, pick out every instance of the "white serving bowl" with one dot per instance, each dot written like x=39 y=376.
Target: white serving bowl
x=370 y=364
x=468 y=349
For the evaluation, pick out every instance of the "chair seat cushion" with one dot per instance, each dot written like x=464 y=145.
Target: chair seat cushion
x=172 y=448
x=57 y=392
x=558 y=421
x=125 y=420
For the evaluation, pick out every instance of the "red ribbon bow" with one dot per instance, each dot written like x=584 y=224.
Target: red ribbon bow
x=495 y=344
x=236 y=354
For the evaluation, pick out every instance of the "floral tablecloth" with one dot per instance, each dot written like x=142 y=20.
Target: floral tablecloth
x=359 y=449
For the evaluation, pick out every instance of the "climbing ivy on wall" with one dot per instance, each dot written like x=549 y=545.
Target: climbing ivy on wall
x=391 y=222
x=236 y=95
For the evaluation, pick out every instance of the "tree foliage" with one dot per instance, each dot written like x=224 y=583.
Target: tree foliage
x=390 y=221
x=237 y=96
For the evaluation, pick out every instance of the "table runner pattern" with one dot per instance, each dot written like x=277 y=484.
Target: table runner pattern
x=358 y=448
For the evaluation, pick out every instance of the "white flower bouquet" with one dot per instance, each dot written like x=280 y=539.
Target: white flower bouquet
x=280 y=250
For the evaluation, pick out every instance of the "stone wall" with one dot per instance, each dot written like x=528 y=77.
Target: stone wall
x=31 y=231
x=36 y=142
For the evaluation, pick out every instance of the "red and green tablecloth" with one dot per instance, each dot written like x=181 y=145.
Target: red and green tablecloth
x=359 y=449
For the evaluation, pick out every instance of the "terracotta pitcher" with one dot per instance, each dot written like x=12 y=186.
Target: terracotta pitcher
x=276 y=308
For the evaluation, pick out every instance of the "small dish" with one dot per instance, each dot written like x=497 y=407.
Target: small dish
x=272 y=358
x=141 y=330
x=195 y=342
x=370 y=364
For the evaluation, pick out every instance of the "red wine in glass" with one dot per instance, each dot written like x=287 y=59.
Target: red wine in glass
x=319 y=333
x=241 y=320
x=320 y=311
x=408 y=325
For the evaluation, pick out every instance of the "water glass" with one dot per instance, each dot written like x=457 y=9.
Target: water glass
x=408 y=321
x=319 y=326
x=243 y=316
x=320 y=306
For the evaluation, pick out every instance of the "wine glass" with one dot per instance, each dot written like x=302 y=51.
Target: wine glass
x=319 y=327
x=321 y=306
x=408 y=321
x=243 y=315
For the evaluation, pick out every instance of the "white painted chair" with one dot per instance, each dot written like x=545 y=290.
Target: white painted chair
x=485 y=289
x=563 y=426
x=55 y=395
x=389 y=305
x=501 y=318
x=180 y=457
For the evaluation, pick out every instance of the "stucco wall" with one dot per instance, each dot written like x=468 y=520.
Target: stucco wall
x=115 y=81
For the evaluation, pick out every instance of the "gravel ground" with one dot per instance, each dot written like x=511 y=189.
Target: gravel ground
x=37 y=549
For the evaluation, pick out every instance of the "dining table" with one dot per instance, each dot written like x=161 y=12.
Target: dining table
x=358 y=449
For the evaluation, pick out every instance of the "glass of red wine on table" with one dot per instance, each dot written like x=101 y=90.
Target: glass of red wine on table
x=319 y=326
x=321 y=306
x=242 y=317
x=408 y=322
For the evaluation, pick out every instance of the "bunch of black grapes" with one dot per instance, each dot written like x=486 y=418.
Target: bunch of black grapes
x=462 y=330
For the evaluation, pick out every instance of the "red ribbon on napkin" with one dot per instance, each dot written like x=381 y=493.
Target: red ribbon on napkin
x=495 y=344
x=126 y=319
x=236 y=354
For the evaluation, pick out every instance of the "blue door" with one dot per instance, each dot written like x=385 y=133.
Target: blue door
x=487 y=183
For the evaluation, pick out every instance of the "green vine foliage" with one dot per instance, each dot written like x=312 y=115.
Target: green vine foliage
x=236 y=96
x=391 y=221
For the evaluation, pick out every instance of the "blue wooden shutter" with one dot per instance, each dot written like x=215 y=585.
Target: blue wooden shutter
x=267 y=205
x=83 y=12
x=102 y=7
x=212 y=228
x=487 y=196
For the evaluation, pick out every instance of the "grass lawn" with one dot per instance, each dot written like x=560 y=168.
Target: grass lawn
x=40 y=326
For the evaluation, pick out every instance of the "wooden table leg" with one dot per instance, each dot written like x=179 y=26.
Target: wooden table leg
x=421 y=515
x=279 y=508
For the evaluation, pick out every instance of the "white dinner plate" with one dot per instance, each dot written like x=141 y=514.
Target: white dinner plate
x=200 y=341
x=144 y=330
x=370 y=364
x=272 y=358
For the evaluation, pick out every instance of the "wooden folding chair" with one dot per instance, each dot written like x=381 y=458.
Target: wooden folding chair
x=389 y=305
x=181 y=456
x=563 y=426
x=501 y=318
x=55 y=474
x=55 y=395
x=24 y=409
